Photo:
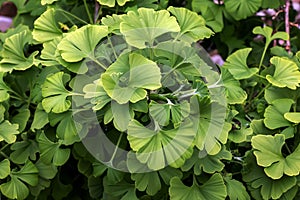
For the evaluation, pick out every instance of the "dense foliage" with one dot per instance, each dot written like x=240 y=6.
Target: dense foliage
x=117 y=99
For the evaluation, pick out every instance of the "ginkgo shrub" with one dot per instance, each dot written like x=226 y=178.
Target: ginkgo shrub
x=118 y=100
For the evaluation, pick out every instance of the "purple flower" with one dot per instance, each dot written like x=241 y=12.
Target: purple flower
x=5 y=23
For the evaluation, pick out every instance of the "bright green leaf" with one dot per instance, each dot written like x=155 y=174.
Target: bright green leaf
x=40 y=118
x=4 y=168
x=274 y=113
x=142 y=27
x=13 y=54
x=127 y=78
x=293 y=117
x=55 y=94
x=44 y=2
x=235 y=189
x=267 y=150
x=286 y=73
x=192 y=26
x=23 y=150
x=4 y=95
x=111 y=3
x=8 y=132
x=159 y=148
x=236 y=64
x=46 y=27
x=148 y=181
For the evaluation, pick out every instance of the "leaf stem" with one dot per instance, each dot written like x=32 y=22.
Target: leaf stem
x=88 y=11
x=287 y=148
x=116 y=149
x=97 y=62
x=72 y=15
x=263 y=56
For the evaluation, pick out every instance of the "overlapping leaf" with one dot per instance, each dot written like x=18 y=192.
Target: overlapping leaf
x=242 y=9
x=142 y=27
x=192 y=26
x=286 y=73
x=13 y=55
x=8 y=132
x=159 y=148
x=79 y=45
x=4 y=89
x=236 y=64
x=267 y=150
x=127 y=78
x=55 y=94
x=111 y=3
x=46 y=27
x=4 y=168
x=214 y=188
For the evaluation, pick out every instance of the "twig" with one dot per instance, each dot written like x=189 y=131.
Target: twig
x=287 y=24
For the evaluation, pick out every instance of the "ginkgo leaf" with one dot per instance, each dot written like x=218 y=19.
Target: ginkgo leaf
x=273 y=93
x=40 y=118
x=214 y=188
x=274 y=113
x=242 y=9
x=4 y=168
x=111 y=3
x=159 y=148
x=267 y=150
x=24 y=150
x=97 y=94
x=234 y=93
x=292 y=117
x=51 y=152
x=8 y=132
x=236 y=189
x=209 y=123
x=13 y=54
x=236 y=64
x=16 y=188
x=147 y=181
x=79 y=45
x=4 y=95
x=142 y=27
x=46 y=27
x=212 y=13
x=127 y=78
x=67 y=129
x=55 y=94
x=286 y=73
x=49 y=53
x=44 y=2
x=201 y=161
x=259 y=182
x=112 y=22
x=122 y=190
x=267 y=32
x=192 y=25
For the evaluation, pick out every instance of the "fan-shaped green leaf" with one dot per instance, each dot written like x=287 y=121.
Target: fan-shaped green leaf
x=266 y=187
x=273 y=93
x=111 y=3
x=121 y=114
x=286 y=73
x=112 y=22
x=234 y=93
x=147 y=181
x=212 y=13
x=4 y=95
x=49 y=53
x=267 y=32
x=15 y=188
x=40 y=118
x=274 y=114
x=127 y=78
x=209 y=123
x=241 y=9
x=142 y=27
x=81 y=44
x=293 y=117
x=201 y=161
x=8 y=132
x=236 y=64
x=55 y=94
x=235 y=189
x=46 y=27
x=51 y=152
x=192 y=26
x=267 y=150
x=214 y=188
x=23 y=150
x=13 y=55
x=4 y=168
x=67 y=129
x=159 y=148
